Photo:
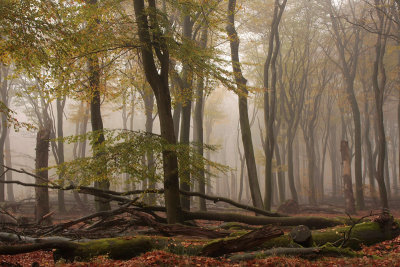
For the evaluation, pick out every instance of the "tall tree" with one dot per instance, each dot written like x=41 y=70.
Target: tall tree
x=152 y=39
x=270 y=97
x=95 y=107
x=379 y=83
x=198 y=133
x=243 y=107
x=348 y=43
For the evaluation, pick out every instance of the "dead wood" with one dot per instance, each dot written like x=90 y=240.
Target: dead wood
x=312 y=222
x=178 y=229
x=245 y=242
x=301 y=235
x=302 y=252
x=120 y=196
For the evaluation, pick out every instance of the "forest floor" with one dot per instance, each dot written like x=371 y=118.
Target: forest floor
x=382 y=254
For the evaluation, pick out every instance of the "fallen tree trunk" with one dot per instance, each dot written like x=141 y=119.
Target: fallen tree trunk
x=317 y=251
x=367 y=233
x=115 y=248
x=245 y=242
x=312 y=222
x=125 y=248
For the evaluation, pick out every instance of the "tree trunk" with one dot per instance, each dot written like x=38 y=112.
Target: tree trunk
x=187 y=92
x=42 y=206
x=7 y=156
x=245 y=242
x=95 y=112
x=379 y=83
x=311 y=172
x=349 y=68
x=292 y=185
x=348 y=186
x=280 y=174
x=312 y=222
x=333 y=157
x=270 y=98
x=60 y=150
x=3 y=126
x=198 y=123
x=243 y=108
x=160 y=86
x=149 y=106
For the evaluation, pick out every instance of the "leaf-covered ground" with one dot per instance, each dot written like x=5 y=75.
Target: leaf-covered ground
x=383 y=254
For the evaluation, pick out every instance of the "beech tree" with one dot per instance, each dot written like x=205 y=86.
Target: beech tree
x=160 y=86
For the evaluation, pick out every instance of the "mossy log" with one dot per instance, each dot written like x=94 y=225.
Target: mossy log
x=311 y=222
x=115 y=248
x=245 y=242
x=366 y=233
x=302 y=252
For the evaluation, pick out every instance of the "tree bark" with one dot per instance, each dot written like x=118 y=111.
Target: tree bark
x=9 y=177
x=245 y=242
x=312 y=222
x=243 y=107
x=187 y=92
x=4 y=71
x=198 y=133
x=348 y=186
x=60 y=103
x=42 y=206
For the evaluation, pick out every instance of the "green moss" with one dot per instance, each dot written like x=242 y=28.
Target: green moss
x=330 y=250
x=366 y=233
x=115 y=248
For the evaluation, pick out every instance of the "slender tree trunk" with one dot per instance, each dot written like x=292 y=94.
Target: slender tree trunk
x=198 y=123
x=186 y=112
x=280 y=174
x=242 y=163
x=379 y=83
x=60 y=150
x=270 y=98
x=349 y=67
x=3 y=126
x=7 y=155
x=95 y=112
x=333 y=157
x=311 y=171
x=82 y=145
x=42 y=161
x=348 y=186
x=149 y=107
x=243 y=108
x=387 y=174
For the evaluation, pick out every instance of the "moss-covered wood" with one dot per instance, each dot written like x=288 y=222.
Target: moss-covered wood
x=311 y=222
x=327 y=251
x=367 y=233
x=115 y=248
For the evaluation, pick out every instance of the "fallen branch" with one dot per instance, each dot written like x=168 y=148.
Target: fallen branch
x=312 y=222
x=119 y=196
x=177 y=229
